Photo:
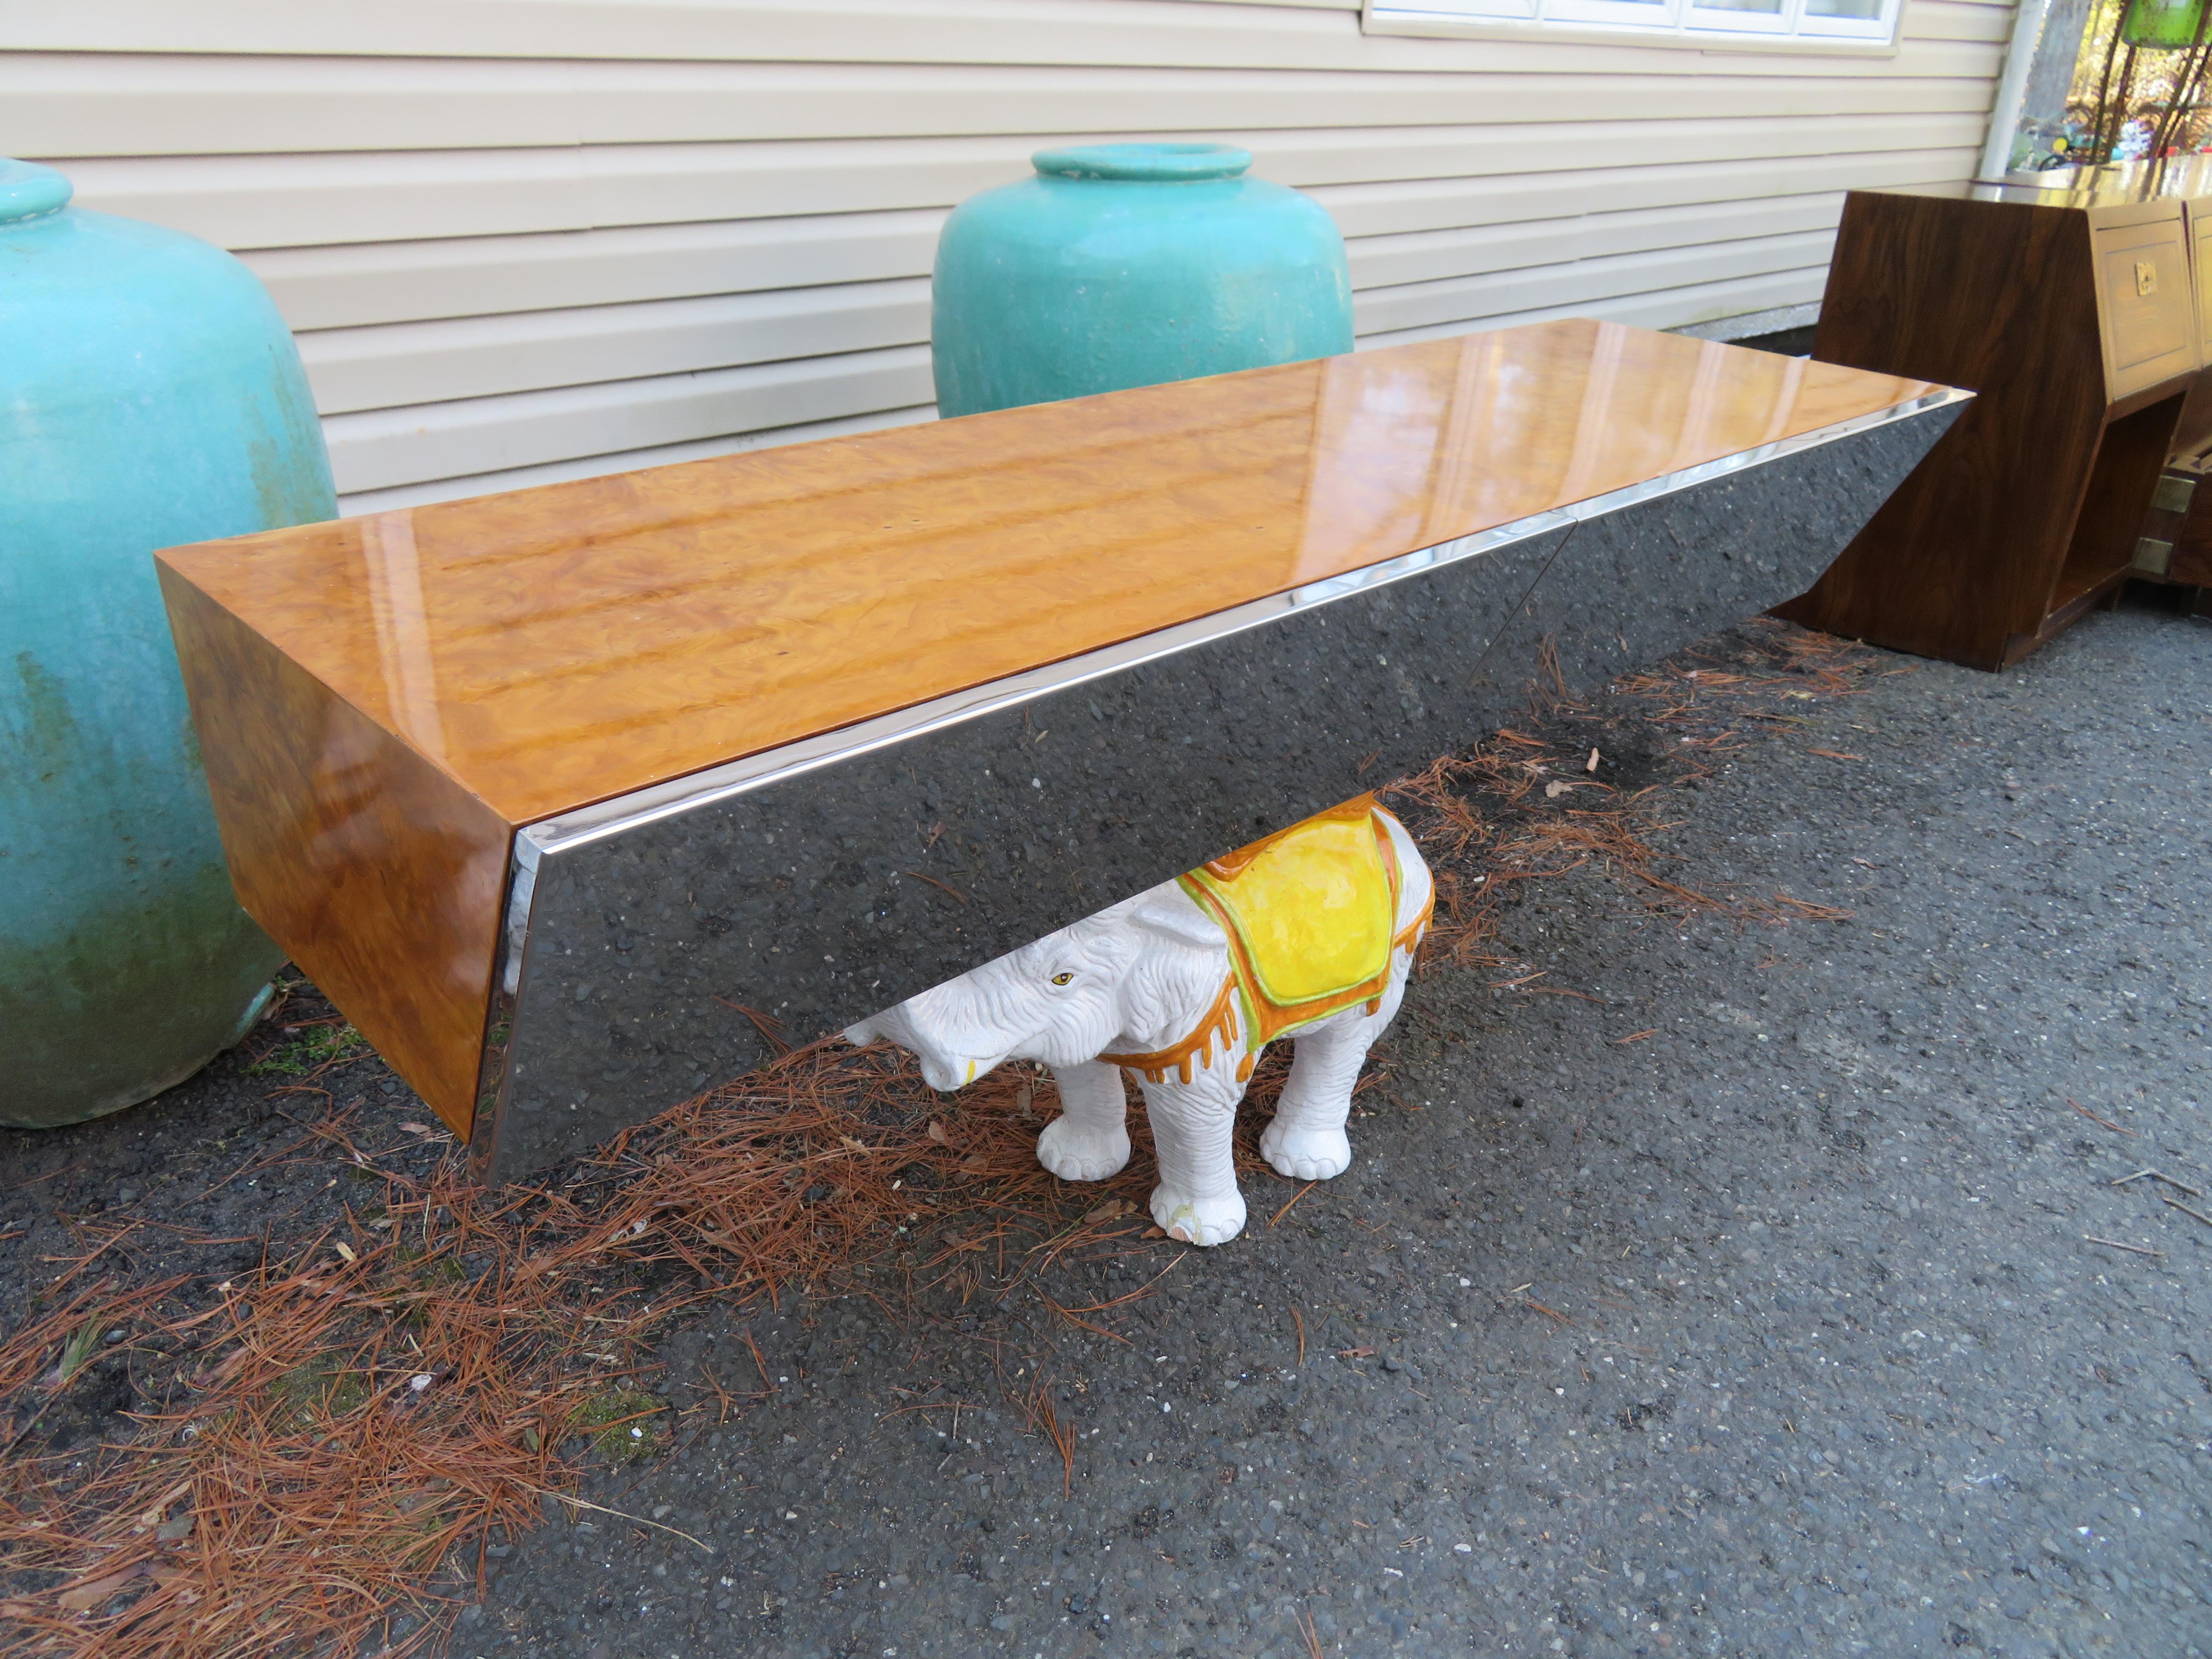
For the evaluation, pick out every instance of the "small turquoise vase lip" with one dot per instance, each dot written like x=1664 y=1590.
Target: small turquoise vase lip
x=28 y=190
x=1162 y=163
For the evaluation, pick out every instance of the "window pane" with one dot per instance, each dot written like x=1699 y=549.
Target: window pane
x=1771 y=7
x=1866 y=10
x=1636 y=14
x=1520 y=10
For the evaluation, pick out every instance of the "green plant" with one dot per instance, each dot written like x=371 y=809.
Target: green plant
x=75 y=1352
x=309 y=1050
x=620 y=1422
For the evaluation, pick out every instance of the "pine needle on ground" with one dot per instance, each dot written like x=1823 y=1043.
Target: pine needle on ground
x=351 y=1423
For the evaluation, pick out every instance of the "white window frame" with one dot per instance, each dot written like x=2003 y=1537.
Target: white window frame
x=1650 y=23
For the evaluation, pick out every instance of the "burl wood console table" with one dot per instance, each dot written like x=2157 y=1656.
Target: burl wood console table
x=2071 y=314
x=542 y=788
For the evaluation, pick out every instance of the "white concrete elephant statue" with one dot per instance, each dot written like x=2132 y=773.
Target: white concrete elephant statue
x=1309 y=932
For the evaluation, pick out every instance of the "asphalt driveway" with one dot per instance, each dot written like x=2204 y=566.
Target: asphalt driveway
x=1778 y=1290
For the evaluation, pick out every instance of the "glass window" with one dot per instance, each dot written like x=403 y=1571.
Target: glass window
x=1870 y=21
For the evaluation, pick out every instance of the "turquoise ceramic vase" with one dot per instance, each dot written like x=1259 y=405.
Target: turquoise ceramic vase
x=1127 y=264
x=150 y=395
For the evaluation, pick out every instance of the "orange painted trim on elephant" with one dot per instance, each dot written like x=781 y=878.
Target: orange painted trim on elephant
x=1267 y=1019
x=1220 y=1020
x=1408 y=938
x=1229 y=866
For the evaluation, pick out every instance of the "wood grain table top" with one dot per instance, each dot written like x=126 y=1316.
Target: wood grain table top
x=555 y=646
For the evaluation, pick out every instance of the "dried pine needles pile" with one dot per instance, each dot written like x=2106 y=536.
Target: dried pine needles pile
x=353 y=1420
x=1590 y=784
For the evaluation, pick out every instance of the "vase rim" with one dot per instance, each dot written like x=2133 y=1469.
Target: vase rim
x=1162 y=163
x=28 y=190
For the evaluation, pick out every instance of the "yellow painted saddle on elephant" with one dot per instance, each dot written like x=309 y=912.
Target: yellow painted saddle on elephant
x=1311 y=915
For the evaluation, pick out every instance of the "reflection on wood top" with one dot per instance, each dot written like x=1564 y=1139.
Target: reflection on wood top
x=2178 y=178
x=2102 y=202
x=557 y=645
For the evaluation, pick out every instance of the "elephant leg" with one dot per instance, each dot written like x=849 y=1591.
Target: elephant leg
x=1193 y=1126
x=1090 y=1139
x=1307 y=1141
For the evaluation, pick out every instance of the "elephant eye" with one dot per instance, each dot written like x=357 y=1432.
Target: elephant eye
x=1062 y=979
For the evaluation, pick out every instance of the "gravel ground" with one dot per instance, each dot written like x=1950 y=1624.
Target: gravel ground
x=1772 y=1330
x=207 y=1180
x=1736 y=1301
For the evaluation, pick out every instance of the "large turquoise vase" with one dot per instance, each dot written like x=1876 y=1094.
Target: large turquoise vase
x=1127 y=264
x=150 y=395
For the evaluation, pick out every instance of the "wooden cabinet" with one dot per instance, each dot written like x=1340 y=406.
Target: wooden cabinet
x=2175 y=546
x=2074 y=314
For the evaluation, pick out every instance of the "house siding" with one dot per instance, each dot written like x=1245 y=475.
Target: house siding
x=525 y=239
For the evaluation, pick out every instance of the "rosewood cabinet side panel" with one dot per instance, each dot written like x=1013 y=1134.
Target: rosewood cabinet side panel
x=381 y=877
x=1998 y=298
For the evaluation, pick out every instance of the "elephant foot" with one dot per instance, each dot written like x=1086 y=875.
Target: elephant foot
x=1305 y=1154
x=1076 y=1153
x=1198 y=1221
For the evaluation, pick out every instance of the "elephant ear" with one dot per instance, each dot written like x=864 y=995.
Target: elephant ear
x=1168 y=912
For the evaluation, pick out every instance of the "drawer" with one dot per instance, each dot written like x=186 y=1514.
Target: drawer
x=2149 y=312
x=2200 y=230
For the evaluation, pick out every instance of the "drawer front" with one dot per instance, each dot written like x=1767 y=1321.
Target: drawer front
x=2200 y=225
x=2149 y=311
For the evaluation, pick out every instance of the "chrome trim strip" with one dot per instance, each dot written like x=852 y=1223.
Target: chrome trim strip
x=499 y=1007
x=704 y=789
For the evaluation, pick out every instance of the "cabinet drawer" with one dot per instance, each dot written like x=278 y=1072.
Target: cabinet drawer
x=2143 y=283
x=2200 y=231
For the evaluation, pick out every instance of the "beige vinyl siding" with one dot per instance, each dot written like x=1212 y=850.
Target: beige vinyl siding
x=523 y=240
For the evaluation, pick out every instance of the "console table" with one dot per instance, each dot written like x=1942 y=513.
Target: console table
x=2070 y=313
x=547 y=789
